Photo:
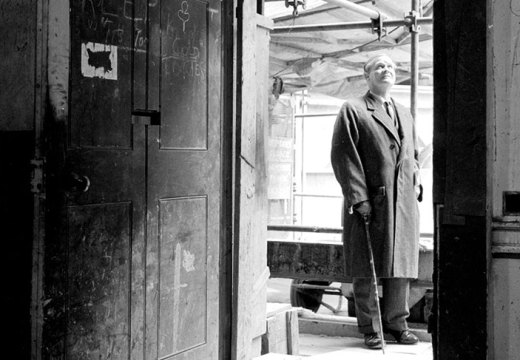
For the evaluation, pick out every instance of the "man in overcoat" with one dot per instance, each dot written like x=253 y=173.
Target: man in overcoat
x=374 y=157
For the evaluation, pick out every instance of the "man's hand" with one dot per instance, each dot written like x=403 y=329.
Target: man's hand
x=419 y=192
x=363 y=208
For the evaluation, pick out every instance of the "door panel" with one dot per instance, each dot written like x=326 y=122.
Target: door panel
x=132 y=260
x=101 y=74
x=94 y=262
x=184 y=186
x=184 y=85
x=183 y=247
x=99 y=280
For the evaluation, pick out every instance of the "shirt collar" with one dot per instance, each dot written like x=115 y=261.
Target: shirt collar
x=380 y=98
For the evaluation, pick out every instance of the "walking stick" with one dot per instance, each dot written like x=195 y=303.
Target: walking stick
x=374 y=282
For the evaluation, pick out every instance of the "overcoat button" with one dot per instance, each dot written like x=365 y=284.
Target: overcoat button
x=392 y=146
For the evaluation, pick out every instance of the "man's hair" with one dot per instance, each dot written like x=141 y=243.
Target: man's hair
x=370 y=62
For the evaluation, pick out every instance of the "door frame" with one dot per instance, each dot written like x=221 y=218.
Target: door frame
x=228 y=126
x=38 y=177
x=460 y=191
x=229 y=84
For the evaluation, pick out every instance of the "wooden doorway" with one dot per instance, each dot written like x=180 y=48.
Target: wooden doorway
x=133 y=245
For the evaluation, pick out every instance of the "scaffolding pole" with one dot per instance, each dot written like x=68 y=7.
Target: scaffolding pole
x=412 y=22
x=347 y=26
x=414 y=54
x=356 y=8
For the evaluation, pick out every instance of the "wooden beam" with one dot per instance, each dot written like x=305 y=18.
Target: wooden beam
x=306 y=261
x=324 y=261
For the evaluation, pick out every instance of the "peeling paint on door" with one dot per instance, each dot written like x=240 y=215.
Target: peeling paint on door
x=188 y=261
x=99 y=60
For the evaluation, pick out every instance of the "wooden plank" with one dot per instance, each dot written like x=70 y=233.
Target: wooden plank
x=282 y=332
x=293 y=333
x=306 y=261
x=41 y=63
x=276 y=335
x=325 y=261
x=251 y=173
x=17 y=76
x=245 y=181
x=504 y=110
x=466 y=110
x=260 y=273
x=274 y=308
x=461 y=33
x=228 y=162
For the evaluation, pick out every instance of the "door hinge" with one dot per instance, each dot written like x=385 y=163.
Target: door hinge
x=37 y=176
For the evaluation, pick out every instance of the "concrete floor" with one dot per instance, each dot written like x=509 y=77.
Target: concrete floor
x=316 y=346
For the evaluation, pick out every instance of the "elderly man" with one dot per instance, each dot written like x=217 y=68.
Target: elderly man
x=374 y=158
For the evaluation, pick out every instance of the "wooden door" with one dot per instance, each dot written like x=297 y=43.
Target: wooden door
x=184 y=185
x=134 y=181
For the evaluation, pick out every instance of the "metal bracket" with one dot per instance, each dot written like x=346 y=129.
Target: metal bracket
x=146 y=117
x=378 y=27
x=411 y=22
x=37 y=176
x=295 y=4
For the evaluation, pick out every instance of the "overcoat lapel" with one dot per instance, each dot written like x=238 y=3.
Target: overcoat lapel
x=381 y=117
x=403 y=118
x=405 y=121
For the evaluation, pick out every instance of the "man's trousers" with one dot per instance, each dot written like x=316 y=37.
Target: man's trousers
x=394 y=307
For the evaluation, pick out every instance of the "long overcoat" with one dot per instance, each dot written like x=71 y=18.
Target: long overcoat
x=374 y=161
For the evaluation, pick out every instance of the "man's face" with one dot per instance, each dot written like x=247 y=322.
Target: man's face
x=381 y=74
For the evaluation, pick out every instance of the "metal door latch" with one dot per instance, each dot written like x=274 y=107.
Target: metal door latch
x=146 y=117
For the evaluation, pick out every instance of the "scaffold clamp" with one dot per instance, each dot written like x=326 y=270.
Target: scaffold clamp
x=411 y=22
x=378 y=27
x=295 y=4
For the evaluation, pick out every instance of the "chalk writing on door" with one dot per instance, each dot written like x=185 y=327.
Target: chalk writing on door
x=184 y=15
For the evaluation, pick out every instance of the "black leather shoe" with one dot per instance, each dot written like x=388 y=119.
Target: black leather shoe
x=373 y=341
x=405 y=337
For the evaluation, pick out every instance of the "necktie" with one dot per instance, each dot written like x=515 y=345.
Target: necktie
x=390 y=112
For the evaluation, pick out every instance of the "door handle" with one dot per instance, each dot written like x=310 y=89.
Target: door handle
x=77 y=183
x=146 y=117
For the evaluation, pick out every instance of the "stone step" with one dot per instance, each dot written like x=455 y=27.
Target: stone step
x=316 y=347
x=343 y=326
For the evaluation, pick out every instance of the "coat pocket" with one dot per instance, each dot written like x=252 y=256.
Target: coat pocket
x=379 y=192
